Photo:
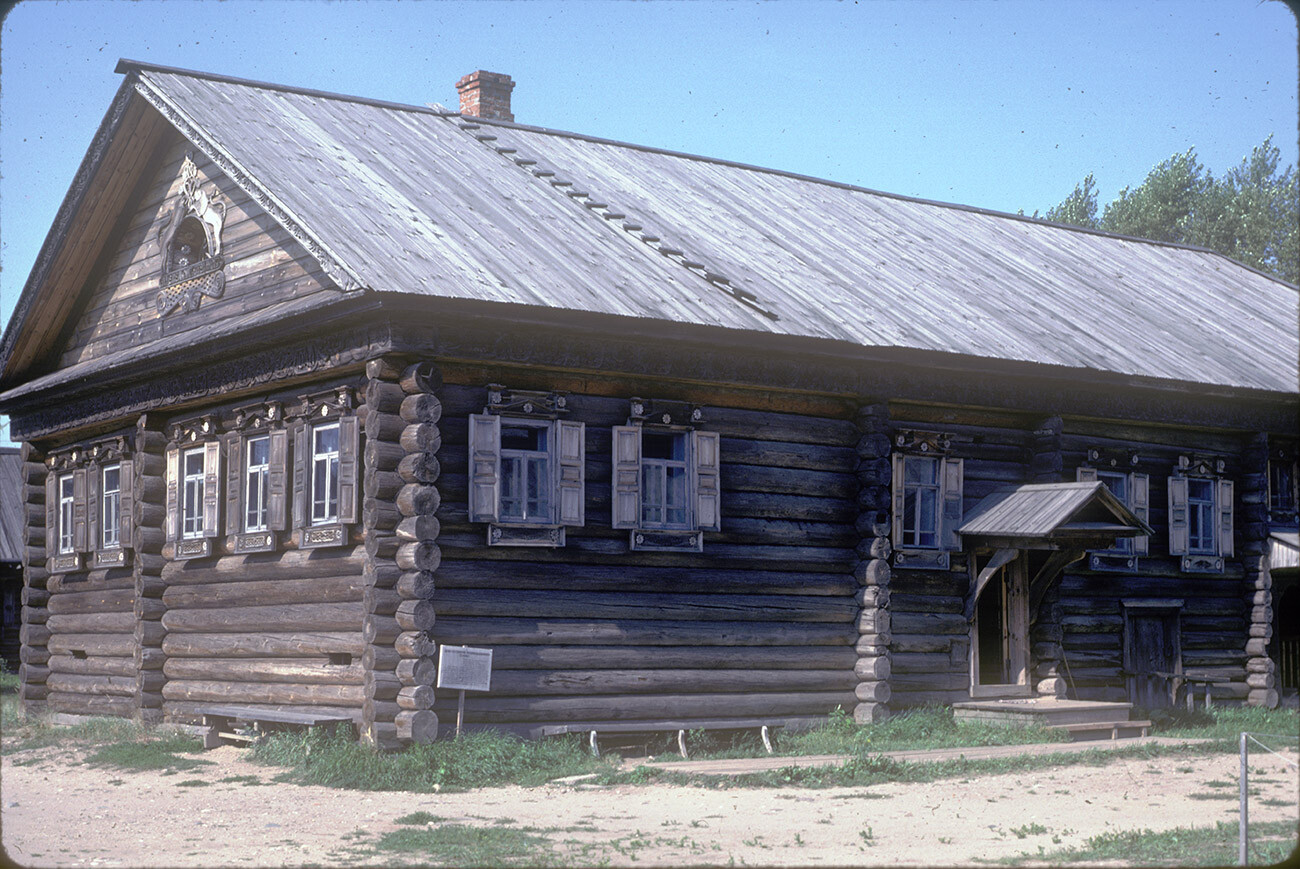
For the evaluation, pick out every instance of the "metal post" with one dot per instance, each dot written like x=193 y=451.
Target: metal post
x=460 y=712
x=1243 y=823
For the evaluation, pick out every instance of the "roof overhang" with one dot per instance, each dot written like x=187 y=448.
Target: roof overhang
x=1058 y=516
x=1284 y=550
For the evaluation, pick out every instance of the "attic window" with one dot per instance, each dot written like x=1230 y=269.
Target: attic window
x=191 y=246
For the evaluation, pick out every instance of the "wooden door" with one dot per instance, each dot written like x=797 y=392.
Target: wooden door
x=1151 y=656
x=1000 y=635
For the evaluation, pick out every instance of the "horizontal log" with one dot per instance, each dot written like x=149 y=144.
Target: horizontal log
x=304 y=670
x=421 y=555
x=380 y=630
x=873 y=692
x=584 y=682
x=421 y=408
x=383 y=485
x=421 y=377
x=92 y=704
x=381 y=545
x=92 y=666
x=381 y=601
x=414 y=644
x=188 y=711
x=148 y=658
x=384 y=426
x=34 y=635
x=630 y=657
x=416 y=499
x=293 y=644
x=92 y=623
x=34 y=596
x=325 y=589
x=953 y=624
x=873 y=669
x=416 y=615
x=417 y=584
x=34 y=615
x=150 y=682
x=382 y=686
x=149 y=608
x=382 y=574
x=314 y=617
x=904 y=699
x=33 y=673
x=380 y=710
x=32 y=691
x=615 y=707
x=422 y=467
x=908 y=663
x=419 y=727
x=384 y=396
x=289 y=564
x=689 y=608
x=148 y=633
x=421 y=438
x=92 y=645
x=262 y=692
x=492 y=631
x=383 y=455
x=382 y=515
x=415 y=697
x=149 y=586
x=76 y=683
x=33 y=654
x=380 y=658
x=386 y=368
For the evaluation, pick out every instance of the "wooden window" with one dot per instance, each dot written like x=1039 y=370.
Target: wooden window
x=1201 y=521
x=665 y=486
x=192 y=494
x=927 y=508
x=526 y=478
x=193 y=498
x=110 y=507
x=67 y=507
x=1133 y=490
x=257 y=479
x=1283 y=505
x=325 y=491
x=256 y=488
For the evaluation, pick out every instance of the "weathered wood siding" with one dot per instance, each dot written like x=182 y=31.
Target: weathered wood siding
x=761 y=623
x=264 y=265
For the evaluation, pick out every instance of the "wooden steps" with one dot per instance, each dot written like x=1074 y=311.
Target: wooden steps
x=1082 y=719
x=1104 y=729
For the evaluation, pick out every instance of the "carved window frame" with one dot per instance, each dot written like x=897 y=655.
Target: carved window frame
x=188 y=437
x=1210 y=470
x=1136 y=497
x=198 y=213
x=326 y=408
x=703 y=464
x=1283 y=486
x=566 y=455
x=83 y=466
x=937 y=446
x=253 y=422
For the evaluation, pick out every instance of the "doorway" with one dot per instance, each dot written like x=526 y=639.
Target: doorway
x=999 y=634
x=1152 y=652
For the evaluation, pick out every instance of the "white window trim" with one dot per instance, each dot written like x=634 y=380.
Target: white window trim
x=263 y=507
x=703 y=489
x=105 y=493
x=332 y=480
x=188 y=517
x=67 y=514
x=948 y=510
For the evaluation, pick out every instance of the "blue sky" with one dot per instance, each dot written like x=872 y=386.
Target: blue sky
x=1004 y=105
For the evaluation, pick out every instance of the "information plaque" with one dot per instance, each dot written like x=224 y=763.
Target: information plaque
x=464 y=668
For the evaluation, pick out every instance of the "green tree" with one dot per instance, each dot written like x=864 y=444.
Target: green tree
x=1251 y=214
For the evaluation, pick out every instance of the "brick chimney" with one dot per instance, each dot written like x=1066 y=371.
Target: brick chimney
x=486 y=95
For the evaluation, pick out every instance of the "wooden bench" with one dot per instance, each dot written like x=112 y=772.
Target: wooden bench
x=1100 y=729
x=221 y=730
x=595 y=729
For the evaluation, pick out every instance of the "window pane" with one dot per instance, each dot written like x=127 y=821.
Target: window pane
x=538 y=490
x=111 y=507
x=920 y=502
x=670 y=446
x=652 y=493
x=325 y=474
x=675 y=496
x=192 y=498
x=327 y=439
x=920 y=470
x=1200 y=515
x=523 y=437
x=512 y=502
x=1117 y=483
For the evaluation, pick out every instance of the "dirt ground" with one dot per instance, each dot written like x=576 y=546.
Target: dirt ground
x=57 y=811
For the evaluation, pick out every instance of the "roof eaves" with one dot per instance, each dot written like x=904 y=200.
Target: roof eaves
x=346 y=277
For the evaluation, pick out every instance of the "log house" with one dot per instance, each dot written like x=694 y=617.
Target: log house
x=309 y=385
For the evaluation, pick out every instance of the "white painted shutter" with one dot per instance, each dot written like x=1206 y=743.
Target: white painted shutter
x=234 y=484
x=277 y=489
x=625 y=481
x=211 y=488
x=80 y=536
x=1178 y=527
x=484 y=467
x=301 y=475
x=1140 y=503
x=705 y=448
x=1223 y=503
x=898 y=496
x=94 y=479
x=349 y=465
x=51 y=514
x=950 y=521
x=571 y=459
x=173 y=492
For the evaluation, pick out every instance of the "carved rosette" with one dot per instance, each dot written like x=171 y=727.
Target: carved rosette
x=874 y=473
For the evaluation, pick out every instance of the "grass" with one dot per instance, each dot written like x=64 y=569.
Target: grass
x=1225 y=722
x=1270 y=843
x=461 y=845
x=162 y=752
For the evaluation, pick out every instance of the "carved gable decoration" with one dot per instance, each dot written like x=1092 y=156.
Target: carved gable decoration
x=191 y=246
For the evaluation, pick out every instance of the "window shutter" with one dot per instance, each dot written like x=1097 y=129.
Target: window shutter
x=126 y=515
x=1178 y=528
x=277 y=489
x=51 y=514
x=705 y=446
x=173 y=492
x=211 y=488
x=625 y=503
x=80 y=540
x=94 y=481
x=234 y=484
x=1223 y=503
x=301 y=462
x=349 y=450
x=571 y=459
x=1140 y=503
x=484 y=467
x=952 y=504
x=899 y=500
x=1085 y=475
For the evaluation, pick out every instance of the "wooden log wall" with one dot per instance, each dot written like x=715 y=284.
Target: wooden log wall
x=401 y=526
x=1253 y=525
x=1214 y=617
x=263 y=265
x=763 y=622
x=931 y=636
x=1046 y=465
x=34 y=654
x=149 y=512
x=872 y=572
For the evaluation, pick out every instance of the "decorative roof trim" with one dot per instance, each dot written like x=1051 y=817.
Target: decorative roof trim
x=333 y=265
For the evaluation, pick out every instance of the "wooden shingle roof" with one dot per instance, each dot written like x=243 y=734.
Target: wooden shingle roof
x=12 y=515
x=419 y=201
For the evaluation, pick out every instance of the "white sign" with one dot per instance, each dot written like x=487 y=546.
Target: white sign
x=464 y=668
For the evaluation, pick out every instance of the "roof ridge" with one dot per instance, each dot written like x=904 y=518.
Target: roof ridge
x=634 y=229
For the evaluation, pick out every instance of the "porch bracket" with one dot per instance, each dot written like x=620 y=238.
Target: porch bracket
x=1042 y=581
x=1000 y=559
